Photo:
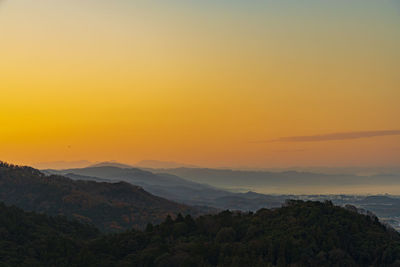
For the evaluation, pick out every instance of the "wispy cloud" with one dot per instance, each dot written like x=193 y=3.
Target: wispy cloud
x=335 y=136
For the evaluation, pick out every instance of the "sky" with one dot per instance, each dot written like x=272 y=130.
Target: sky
x=211 y=83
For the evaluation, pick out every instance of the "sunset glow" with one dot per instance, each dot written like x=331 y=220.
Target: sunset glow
x=209 y=83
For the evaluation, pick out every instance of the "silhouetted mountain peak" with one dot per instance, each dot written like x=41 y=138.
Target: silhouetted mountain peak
x=110 y=206
x=111 y=164
x=157 y=164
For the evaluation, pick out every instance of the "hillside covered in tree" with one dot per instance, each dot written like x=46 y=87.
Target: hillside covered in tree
x=298 y=234
x=31 y=239
x=109 y=206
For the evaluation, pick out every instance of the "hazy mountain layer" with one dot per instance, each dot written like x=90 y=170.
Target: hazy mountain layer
x=175 y=188
x=110 y=206
x=188 y=192
x=289 y=181
x=157 y=164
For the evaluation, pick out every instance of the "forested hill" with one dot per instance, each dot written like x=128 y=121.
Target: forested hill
x=30 y=239
x=299 y=234
x=109 y=206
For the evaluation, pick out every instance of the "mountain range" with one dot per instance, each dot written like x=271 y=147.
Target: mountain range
x=190 y=192
x=175 y=188
x=240 y=179
x=109 y=206
x=58 y=165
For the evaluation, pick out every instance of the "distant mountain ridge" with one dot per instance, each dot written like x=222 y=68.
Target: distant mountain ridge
x=59 y=165
x=157 y=164
x=62 y=164
x=189 y=192
x=109 y=206
x=110 y=164
x=175 y=188
x=227 y=178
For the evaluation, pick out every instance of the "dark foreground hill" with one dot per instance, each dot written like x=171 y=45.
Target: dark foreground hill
x=109 y=206
x=30 y=239
x=299 y=234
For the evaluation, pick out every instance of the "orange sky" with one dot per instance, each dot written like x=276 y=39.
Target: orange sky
x=200 y=83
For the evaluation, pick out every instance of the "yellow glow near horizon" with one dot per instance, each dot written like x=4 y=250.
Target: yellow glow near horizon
x=198 y=83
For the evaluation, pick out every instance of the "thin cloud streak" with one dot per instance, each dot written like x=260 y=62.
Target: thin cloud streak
x=335 y=136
